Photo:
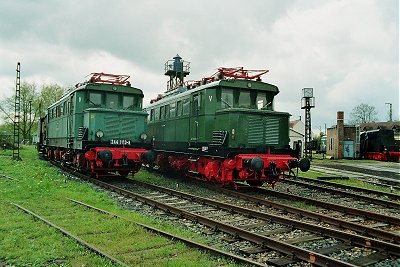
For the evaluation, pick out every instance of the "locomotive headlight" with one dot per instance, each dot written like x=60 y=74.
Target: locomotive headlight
x=143 y=136
x=99 y=134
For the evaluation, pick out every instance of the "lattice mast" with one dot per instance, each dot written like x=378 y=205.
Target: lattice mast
x=17 y=115
x=307 y=102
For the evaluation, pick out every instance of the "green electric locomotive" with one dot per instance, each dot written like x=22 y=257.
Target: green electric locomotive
x=99 y=126
x=223 y=128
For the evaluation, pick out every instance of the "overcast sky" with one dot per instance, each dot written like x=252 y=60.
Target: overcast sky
x=347 y=50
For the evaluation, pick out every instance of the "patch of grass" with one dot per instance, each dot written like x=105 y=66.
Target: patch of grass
x=38 y=186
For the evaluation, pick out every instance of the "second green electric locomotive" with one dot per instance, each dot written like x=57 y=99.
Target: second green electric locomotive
x=223 y=128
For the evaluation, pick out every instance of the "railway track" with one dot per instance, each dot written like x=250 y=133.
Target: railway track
x=228 y=218
x=76 y=238
x=129 y=256
x=373 y=201
x=268 y=238
x=386 y=176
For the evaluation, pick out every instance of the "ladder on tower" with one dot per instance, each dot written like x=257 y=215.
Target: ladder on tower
x=17 y=111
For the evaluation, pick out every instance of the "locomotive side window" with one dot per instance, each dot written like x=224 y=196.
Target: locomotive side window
x=156 y=114
x=195 y=105
x=127 y=102
x=112 y=101
x=226 y=98
x=172 y=110
x=186 y=106
x=95 y=99
x=167 y=111
x=179 y=108
x=152 y=115
x=162 y=112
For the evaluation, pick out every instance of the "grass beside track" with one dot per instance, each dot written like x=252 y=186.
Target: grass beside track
x=25 y=241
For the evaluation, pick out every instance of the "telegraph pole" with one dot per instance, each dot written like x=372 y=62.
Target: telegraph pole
x=307 y=102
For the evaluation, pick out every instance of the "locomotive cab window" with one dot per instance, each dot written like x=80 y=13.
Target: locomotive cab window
x=226 y=98
x=263 y=102
x=95 y=99
x=112 y=101
x=127 y=102
x=244 y=99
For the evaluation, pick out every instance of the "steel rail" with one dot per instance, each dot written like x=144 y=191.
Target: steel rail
x=294 y=251
x=349 y=194
x=66 y=233
x=191 y=243
x=327 y=183
x=329 y=205
x=388 y=236
x=394 y=249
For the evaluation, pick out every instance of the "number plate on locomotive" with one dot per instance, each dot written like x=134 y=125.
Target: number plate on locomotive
x=120 y=142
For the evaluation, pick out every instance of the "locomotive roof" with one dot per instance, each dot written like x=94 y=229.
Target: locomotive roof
x=88 y=86
x=233 y=83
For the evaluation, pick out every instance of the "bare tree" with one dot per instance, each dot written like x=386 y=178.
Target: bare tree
x=32 y=105
x=363 y=113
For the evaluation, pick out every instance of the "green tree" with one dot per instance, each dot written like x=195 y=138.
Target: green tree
x=363 y=113
x=33 y=104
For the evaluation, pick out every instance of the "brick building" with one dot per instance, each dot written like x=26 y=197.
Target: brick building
x=342 y=141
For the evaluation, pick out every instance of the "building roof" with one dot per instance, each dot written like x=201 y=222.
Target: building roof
x=293 y=123
x=387 y=125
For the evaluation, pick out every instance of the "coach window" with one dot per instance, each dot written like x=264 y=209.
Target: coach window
x=226 y=98
x=186 y=106
x=95 y=99
x=112 y=101
x=172 y=110
x=179 y=108
x=127 y=102
x=62 y=109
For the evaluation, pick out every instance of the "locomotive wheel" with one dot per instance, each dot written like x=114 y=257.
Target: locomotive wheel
x=255 y=183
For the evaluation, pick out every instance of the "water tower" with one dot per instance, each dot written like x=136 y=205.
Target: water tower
x=177 y=69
